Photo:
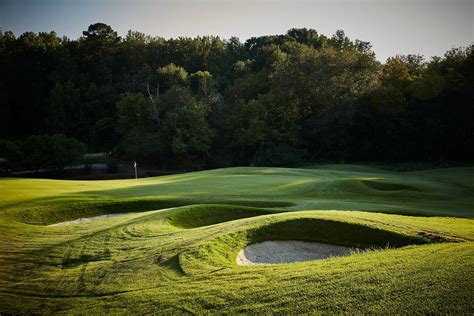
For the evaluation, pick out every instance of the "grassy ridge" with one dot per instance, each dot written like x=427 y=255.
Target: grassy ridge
x=205 y=215
x=176 y=253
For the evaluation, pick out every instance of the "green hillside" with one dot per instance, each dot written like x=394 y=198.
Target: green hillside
x=175 y=249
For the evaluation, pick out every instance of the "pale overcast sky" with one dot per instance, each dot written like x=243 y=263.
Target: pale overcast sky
x=428 y=27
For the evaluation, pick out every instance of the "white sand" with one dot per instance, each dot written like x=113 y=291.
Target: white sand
x=271 y=252
x=87 y=219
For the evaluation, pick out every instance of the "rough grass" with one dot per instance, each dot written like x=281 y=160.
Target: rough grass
x=176 y=252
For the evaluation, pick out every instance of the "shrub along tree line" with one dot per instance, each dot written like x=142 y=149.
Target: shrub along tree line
x=207 y=102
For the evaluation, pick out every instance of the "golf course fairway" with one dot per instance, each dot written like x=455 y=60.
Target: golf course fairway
x=174 y=249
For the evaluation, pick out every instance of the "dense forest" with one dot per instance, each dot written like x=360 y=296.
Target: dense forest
x=207 y=102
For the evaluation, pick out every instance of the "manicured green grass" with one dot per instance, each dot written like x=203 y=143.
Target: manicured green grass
x=176 y=252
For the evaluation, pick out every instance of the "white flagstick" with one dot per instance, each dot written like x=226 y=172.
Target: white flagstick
x=135 y=166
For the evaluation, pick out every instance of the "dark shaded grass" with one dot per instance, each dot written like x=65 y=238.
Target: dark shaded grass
x=212 y=214
x=387 y=186
x=332 y=232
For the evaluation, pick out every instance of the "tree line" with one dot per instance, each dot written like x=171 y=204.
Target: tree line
x=207 y=102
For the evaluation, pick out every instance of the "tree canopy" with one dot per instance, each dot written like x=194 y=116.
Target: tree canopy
x=208 y=102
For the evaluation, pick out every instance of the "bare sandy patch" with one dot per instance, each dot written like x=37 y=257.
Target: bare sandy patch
x=286 y=251
x=88 y=219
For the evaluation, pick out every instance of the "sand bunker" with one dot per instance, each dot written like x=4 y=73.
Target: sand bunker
x=272 y=252
x=87 y=219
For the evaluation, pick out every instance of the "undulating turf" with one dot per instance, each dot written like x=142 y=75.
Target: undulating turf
x=176 y=252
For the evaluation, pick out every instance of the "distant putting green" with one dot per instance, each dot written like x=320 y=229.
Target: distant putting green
x=174 y=249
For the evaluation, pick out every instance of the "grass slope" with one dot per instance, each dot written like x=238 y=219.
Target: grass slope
x=177 y=252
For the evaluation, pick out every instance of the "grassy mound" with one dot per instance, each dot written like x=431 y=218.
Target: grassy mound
x=74 y=209
x=223 y=249
x=205 y=215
